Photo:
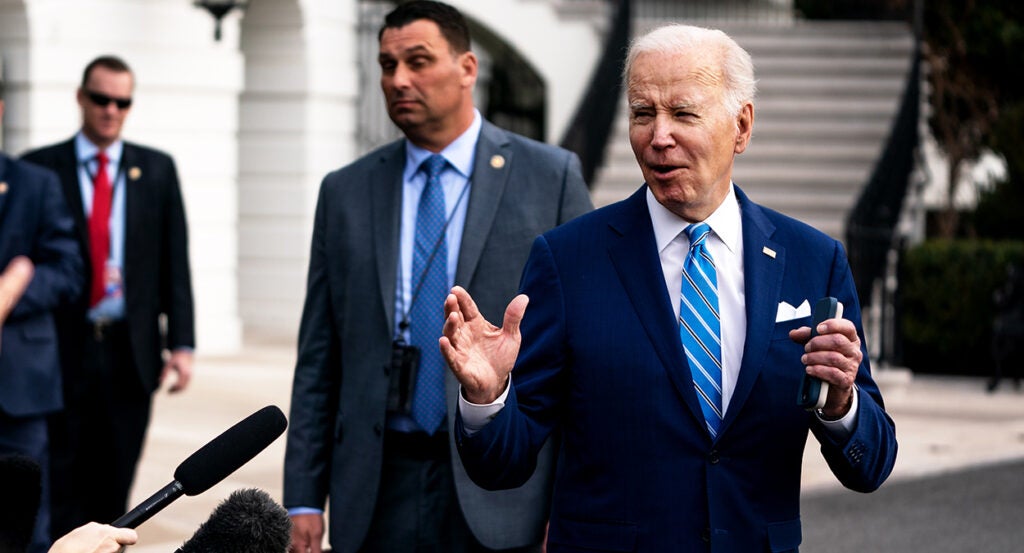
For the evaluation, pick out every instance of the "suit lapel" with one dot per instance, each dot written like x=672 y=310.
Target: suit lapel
x=488 y=185
x=386 y=204
x=636 y=262
x=67 y=171
x=134 y=204
x=762 y=282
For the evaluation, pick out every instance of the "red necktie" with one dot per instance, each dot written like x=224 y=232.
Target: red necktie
x=99 y=227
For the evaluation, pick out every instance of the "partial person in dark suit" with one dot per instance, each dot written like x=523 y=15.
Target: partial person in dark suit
x=677 y=412
x=130 y=225
x=369 y=427
x=35 y=229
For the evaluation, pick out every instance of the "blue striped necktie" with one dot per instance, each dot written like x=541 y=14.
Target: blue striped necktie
x=700 y=325
x=430 y=287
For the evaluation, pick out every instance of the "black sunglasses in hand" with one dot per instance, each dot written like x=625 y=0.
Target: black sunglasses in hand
x=102 y=100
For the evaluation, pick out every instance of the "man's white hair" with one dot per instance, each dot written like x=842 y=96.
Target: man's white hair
x=736 y=65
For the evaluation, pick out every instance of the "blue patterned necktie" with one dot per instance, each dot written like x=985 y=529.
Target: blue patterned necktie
x=700 y=325
x=430 y=287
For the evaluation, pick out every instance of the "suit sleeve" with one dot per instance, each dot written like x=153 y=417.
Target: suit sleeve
x=503 y=454
x=864 y=460
x=575 y=195
x=177 y=287
x=314 y=398
x=59 y=269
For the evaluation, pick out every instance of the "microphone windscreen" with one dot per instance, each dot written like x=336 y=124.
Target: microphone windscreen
x=248 y=521
x=21 y=489
x=229 y=451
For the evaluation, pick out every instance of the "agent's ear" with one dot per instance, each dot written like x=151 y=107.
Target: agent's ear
x=469 y=65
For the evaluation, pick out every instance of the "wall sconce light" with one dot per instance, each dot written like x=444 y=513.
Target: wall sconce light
x=218 y=9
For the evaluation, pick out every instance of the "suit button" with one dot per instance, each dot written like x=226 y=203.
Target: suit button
x=705 y=535
x=713 y=457
x=378 y=429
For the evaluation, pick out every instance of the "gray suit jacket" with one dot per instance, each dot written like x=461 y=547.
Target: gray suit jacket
x=340 y=386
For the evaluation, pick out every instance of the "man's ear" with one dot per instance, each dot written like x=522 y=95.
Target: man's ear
x=469 y=65
x=744 y=127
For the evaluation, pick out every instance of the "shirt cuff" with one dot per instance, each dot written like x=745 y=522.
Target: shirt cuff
x=475 y=416
x=304 y=511
x=842 y=428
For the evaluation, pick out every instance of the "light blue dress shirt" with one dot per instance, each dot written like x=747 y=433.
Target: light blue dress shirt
x=456 y=179
x=112 y=305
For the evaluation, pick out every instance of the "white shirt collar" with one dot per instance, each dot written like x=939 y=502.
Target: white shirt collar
x=460 y=153
x=724 y=222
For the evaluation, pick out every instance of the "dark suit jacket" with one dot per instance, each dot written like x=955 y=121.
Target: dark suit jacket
x=35 y=222
x=601 y=360
x=157 y=278
x=340 y=387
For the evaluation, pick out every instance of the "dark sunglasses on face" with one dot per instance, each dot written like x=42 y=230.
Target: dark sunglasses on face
x=102 y=100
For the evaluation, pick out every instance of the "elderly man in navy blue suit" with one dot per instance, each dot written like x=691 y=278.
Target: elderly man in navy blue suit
x=661 y=341
x=35 y=224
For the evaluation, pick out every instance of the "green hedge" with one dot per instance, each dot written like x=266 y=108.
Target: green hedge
x=947 y=307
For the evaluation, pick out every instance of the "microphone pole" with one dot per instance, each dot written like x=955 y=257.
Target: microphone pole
x=145 y=510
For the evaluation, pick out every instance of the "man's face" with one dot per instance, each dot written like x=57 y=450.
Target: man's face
x=102 y=123
x=681 y=134
x=427 y=87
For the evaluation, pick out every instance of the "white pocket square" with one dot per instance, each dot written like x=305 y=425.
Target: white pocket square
x=787 y=312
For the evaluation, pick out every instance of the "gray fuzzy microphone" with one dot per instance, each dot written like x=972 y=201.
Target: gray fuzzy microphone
x=248 y=521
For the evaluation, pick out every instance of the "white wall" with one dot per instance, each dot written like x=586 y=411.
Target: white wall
x=297 y=124
x=562 y=46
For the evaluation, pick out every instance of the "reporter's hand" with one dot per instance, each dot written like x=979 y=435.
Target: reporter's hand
x=95 y=538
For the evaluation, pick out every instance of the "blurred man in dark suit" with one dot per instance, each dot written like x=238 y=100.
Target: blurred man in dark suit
x=130 y=225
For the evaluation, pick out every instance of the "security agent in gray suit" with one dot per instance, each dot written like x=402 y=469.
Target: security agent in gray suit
x=364 y=432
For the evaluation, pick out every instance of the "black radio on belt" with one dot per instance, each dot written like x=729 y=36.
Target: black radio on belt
x=405 y=363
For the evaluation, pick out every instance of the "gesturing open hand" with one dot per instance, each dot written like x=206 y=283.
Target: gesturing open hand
x=480 y=354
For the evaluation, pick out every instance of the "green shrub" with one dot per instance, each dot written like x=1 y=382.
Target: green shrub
x=946 y=303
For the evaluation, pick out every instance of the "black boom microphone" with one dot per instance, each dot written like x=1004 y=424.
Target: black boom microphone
x=213 y=462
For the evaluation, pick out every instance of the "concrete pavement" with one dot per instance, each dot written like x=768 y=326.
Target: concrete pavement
x=943 y=424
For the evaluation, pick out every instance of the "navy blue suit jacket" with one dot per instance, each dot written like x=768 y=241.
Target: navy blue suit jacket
x=602 y=362
x=36 y=223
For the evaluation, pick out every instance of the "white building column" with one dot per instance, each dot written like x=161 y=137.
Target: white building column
x=297 y=123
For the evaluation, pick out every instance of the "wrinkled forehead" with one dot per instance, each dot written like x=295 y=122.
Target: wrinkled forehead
x=668 y=71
